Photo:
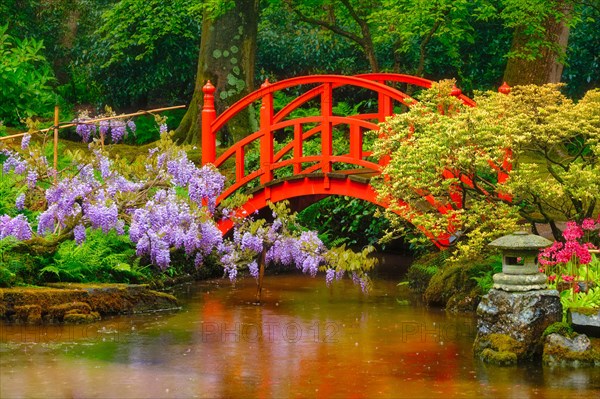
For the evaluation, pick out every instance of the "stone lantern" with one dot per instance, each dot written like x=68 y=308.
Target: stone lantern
x=519 y=262
x=512 y=316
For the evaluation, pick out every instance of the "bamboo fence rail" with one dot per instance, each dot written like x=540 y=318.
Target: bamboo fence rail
x=57 y=126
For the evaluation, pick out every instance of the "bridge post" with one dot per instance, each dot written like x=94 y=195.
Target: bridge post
x=385 y=109
x=208 y=139
x=385 y=105
x=326 y=138
x=266 y=140
x=356 y=142
x=298 y=151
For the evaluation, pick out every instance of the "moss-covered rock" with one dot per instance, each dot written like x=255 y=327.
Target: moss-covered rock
x=81 y=318
x=445 y=283
x=71 y=312
x=499 y=358
x=561 y=328
x=464 y=301
x=570 y=352
x=30 y=314
x=499 y=349
x=453 y=288
x=515 y=322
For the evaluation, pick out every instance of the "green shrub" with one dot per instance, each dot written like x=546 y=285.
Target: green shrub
x=423 y=269
x=459 y=285
x=25 y=77
x=483 y=272
x=419 y=275
x=344 y=220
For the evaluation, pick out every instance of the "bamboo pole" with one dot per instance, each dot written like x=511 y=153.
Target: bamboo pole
x=55 y=144
x=16 y=135
x=261 y=275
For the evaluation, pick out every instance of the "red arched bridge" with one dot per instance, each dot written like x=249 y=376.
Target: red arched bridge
x=286 y=169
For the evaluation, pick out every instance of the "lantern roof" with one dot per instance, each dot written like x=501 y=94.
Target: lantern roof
x=521 y=240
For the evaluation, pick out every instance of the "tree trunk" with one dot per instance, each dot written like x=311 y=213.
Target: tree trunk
x=227 y=55
x=547 y=67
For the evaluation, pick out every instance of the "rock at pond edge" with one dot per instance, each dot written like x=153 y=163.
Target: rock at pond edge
x=514 y=322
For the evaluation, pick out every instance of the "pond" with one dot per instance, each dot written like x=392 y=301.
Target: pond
x=305 y=340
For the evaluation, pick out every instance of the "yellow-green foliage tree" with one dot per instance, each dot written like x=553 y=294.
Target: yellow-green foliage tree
x=451 y=154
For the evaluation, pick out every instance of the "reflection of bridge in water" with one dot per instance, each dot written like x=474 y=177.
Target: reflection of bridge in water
x=290 y=172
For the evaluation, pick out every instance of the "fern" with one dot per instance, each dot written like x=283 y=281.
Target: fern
x=102 y=257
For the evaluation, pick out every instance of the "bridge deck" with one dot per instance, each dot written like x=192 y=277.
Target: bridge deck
x=362 y=175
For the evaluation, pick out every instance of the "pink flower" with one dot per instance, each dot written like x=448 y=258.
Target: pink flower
x=547 y=255
x=567 y=279
x=588 y=224
x=572 y=232
x=552 y=278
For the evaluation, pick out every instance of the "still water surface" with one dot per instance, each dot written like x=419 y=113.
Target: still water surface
x=305 y=340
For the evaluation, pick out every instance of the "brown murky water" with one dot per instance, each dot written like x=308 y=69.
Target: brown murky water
x=305 y=341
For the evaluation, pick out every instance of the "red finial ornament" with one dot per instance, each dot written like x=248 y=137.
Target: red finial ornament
x=208 y=88
x=504 y=89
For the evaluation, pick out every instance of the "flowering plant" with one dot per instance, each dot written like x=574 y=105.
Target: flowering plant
x=570 y=261
x=117 y=129
x=164 y=204
x=257 y=243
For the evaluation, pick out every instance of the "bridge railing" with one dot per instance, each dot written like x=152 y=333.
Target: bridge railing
x=323 y=125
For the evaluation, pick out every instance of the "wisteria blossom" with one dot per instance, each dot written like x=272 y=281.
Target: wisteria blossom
x=17 y=227
x=20 y=202
x=256 y=244
x=116 y=129
x=25 y=141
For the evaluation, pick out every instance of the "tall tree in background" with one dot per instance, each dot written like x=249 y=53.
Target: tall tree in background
x=541 y=34
x=227 y=56
x=345 y=18
x=396 y=30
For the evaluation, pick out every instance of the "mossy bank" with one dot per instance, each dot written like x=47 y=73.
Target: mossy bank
x=77 y=303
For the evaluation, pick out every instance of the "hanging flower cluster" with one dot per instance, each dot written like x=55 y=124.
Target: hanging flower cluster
x=115 y=129
x=283 y=242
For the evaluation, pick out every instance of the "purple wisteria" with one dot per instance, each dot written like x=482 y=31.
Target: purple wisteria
x=204 y=184
x=168 y=222
x=20 y=202
x=17 y=227
x=168 y=208
x=283 y=246
x=116 y=129
x=25 y=141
